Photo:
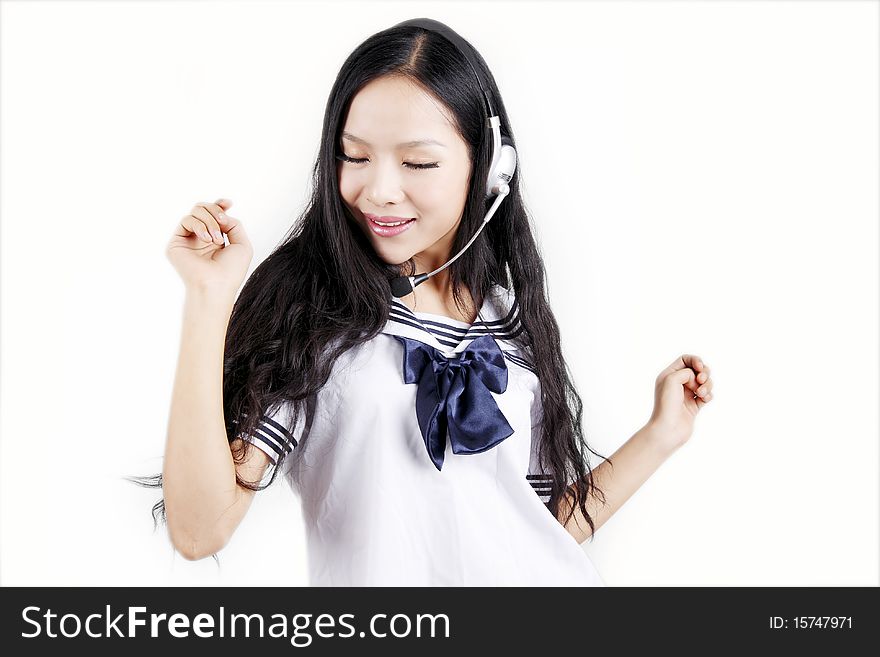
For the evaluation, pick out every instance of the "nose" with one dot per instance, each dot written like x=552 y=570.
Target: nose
x=383 y=184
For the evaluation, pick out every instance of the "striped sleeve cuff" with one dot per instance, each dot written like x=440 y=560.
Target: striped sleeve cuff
x=273 y=438
x=541 y=484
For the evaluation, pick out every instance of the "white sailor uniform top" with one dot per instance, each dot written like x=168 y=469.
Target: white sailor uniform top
x=420 y=465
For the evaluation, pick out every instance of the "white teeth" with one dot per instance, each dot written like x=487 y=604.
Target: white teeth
x=397 y=224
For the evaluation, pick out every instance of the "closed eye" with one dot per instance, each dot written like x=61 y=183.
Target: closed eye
x=409 y=165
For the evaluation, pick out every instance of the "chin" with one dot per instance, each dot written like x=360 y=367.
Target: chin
x=396 y=259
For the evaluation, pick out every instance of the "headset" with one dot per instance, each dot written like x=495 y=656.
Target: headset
x=503 y=159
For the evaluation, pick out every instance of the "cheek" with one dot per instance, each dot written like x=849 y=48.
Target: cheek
x=440 y=191
x=347 y=187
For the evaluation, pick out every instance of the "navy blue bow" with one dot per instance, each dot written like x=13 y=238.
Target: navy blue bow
x=453 y=396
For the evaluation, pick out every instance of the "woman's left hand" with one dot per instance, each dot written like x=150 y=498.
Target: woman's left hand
x=680 y=392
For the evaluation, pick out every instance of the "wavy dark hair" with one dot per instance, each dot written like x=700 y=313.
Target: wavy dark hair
x=323 y=290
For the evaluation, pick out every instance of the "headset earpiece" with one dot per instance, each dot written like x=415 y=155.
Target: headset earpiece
x=504 y=167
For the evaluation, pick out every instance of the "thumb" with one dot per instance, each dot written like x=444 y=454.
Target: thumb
x=685 y=377
x=224 y=203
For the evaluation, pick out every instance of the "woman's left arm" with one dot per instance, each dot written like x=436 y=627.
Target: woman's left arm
x=680 y=392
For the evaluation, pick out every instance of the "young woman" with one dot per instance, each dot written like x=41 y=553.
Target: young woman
x=434 y=437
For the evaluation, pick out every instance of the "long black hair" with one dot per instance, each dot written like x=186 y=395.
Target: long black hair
x=323 y=290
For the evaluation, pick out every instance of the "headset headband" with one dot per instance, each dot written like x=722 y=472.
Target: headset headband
x=459 y=43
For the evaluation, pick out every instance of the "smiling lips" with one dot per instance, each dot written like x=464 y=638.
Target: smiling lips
x=388 y=226
x=387 y=221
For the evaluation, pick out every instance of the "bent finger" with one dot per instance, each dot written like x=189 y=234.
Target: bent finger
x=210 y=214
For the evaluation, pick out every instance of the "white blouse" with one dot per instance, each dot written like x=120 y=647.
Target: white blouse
x=378 y=509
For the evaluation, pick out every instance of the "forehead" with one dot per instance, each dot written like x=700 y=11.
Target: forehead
x=389 y=111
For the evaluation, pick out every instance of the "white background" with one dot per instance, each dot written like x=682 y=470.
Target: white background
x=704 y=179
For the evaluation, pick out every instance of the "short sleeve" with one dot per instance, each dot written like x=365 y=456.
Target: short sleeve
x=276 y=434
x=540 y=481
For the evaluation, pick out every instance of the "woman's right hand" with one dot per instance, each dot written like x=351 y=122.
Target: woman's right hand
x=202 y=260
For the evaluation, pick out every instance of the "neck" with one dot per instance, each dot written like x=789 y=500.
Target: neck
x=438 y=286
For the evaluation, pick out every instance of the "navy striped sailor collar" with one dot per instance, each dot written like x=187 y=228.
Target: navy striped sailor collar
x=498 y=316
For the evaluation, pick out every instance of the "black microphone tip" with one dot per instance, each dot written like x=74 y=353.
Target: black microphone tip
x=401 y=286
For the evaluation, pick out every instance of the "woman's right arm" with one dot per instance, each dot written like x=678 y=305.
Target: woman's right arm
x=203 y=502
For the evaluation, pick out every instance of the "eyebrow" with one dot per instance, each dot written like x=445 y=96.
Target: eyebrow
x=408 y=144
